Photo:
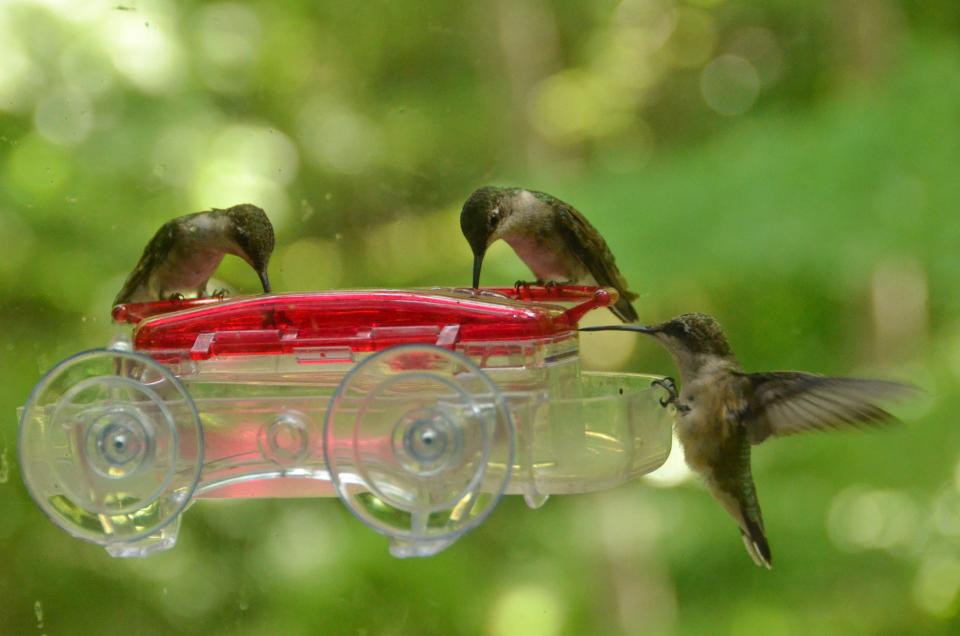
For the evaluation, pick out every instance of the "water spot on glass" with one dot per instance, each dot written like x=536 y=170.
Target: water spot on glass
x=307 y=210
x=4 y=466
x=38 y=612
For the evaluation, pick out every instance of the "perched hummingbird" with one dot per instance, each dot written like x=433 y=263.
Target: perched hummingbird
x=722 y=410
x=551 y=237
x=185 y=251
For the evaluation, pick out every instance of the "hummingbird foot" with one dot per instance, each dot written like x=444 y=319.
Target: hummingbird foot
x=220 y=293
x=670 y=386
x=176 y=297
x=553 y=284
x=523 y=286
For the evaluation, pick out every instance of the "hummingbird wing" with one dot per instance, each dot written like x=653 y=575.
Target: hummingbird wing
x=583 y=241
x=789 y=402
x=156 y=250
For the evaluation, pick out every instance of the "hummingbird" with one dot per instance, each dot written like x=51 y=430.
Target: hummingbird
x=185 y=251
x=723 y=410
x=554 y=240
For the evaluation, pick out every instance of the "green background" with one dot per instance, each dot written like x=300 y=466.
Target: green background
x=790 y=167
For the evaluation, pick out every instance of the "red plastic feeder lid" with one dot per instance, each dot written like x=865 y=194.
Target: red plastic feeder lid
x=366 y=320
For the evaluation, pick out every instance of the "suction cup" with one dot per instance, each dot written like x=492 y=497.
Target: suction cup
x=111 y=446
x=419 y=444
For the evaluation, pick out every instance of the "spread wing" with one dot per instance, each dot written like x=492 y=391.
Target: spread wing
x=789 y=402
x=153 y=254
x=583 y=240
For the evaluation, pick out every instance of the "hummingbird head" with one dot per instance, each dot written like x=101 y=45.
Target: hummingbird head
x=481 y=218
x=253 y=235
x=692 y=340
x=695 y=333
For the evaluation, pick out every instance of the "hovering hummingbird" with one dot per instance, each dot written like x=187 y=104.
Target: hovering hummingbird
x=722 y=410
x=555 y=241
x=185 y=251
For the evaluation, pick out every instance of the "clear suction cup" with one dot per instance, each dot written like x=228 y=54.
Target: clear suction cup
x=111 y=449
x=419 y=443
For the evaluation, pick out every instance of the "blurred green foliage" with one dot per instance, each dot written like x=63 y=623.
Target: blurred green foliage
x=790 y=167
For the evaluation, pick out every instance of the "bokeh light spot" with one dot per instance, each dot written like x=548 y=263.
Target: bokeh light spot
x=337 y=138
x=141 y=47
x=863 y=519
x=64 y=116
x=693 y=39
x=178 y=149
x=229 y=36
x=937 y=582
x=257 y=150
x=88 y=69
x=647 y=23
x=674 y=471
x=564 y=108
x=302 y=544
x=730 y=85
x=221 y=184
x=247 y=164
x=946 y=513
x=605 y=350
x=526 y=610
x=628 y=525
x=191 y=597
x=17 y=73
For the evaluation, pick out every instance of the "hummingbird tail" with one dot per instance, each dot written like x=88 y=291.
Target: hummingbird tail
x=755 y=541
x=737 y=494
x=624 y=310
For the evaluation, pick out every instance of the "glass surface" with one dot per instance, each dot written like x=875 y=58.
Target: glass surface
x=789 y=167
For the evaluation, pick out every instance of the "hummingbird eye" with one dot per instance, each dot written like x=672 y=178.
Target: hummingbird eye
x=494 y=219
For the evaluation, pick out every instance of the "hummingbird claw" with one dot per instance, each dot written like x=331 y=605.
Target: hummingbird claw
x=521 y=288
x=221 y=293
x=670 y=386
x=176 y=297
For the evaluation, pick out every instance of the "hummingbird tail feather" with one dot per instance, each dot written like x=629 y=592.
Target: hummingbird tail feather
x=753 y=551
x=739 y=499
x=624 y=310
x=755 y=541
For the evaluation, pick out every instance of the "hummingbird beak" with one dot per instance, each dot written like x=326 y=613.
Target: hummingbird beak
x=477 y=264
x=650 y=331
x=265 y=281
